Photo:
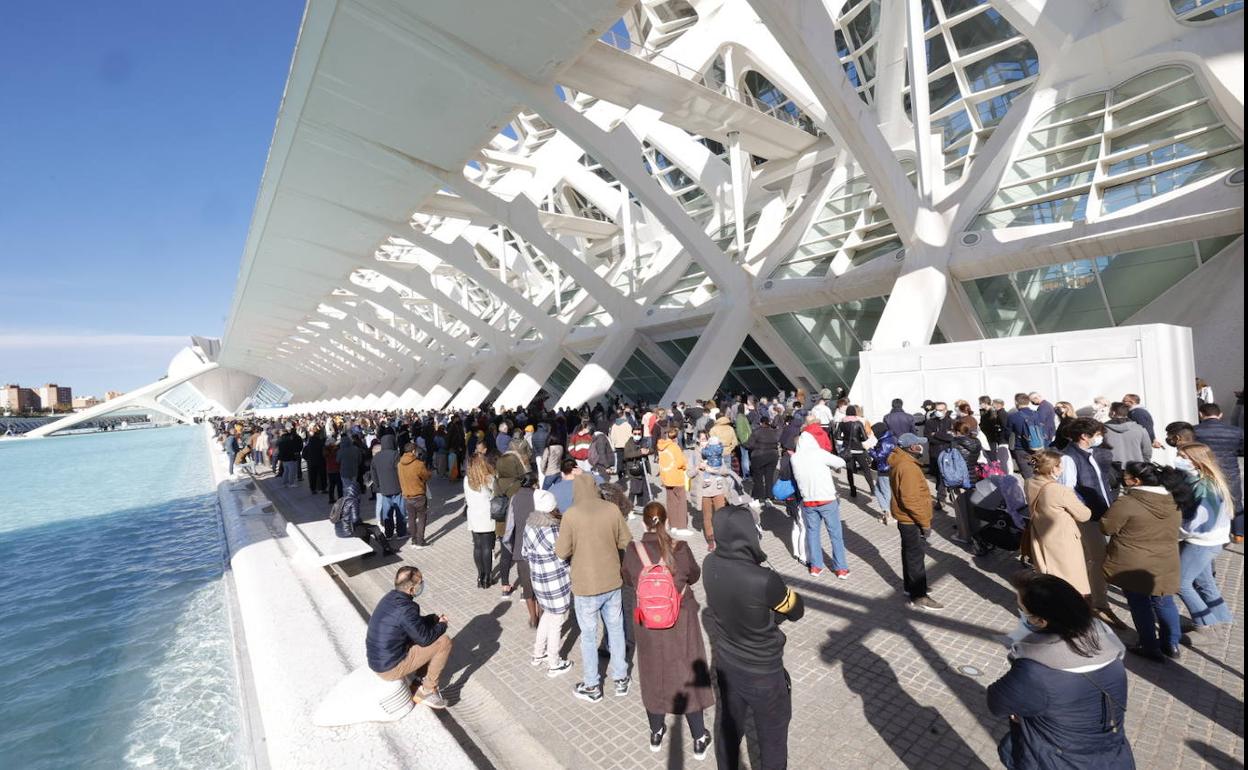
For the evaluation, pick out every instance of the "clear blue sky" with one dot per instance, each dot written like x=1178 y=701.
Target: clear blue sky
x=132 y=140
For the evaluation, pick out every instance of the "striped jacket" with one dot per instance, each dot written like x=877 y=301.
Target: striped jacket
x=552 y=584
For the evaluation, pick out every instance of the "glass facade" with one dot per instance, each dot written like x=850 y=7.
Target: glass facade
x=1106 y=152
x=561 y=378
x=857 y=30
x=752 y=371
x=852 y=222
x=1197 y=11
x=829 y=339
x=1085 y=293
x=977 y=65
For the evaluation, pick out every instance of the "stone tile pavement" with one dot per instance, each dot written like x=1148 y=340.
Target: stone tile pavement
x=875 y=683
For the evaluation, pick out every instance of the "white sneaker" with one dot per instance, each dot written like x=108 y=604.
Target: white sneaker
x=558 y=667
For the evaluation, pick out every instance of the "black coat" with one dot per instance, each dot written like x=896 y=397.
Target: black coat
x=764 y=445
x=396 y=624
x=1227 y=443
x=289 y=447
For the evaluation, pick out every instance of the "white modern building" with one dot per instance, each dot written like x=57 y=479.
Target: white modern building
x=663 y=197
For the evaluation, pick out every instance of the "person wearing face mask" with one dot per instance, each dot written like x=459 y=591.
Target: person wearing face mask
x=1056 y=515
x=1066 y=691
x=939 y=431
x=1065 y=413
x=401 y=641
x=1142 y=557
x=1087 y=468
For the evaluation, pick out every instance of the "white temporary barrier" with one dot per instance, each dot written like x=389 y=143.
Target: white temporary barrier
x=1153 y=361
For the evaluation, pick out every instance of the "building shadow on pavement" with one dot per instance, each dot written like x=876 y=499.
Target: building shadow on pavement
x=1217 y=759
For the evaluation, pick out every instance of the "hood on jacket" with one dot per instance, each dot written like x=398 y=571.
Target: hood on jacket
x=1052 y=651
x=1124 y=426
x=1156 y=500
x=407 y=458
x=736 y=536
x=387 y=441
x=723 y=420
x=539 y=519
x=805 y=440
x=584 y=490
x=664 y=443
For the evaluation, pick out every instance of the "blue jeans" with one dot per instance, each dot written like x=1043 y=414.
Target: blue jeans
x=611 y=608
x=1149 y=612
x=829 y=514
x=388 y=505
x=1197 y=588
x=883 y=492
x=290 y=472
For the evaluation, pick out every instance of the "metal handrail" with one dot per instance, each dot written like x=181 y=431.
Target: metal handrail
x=798 y=117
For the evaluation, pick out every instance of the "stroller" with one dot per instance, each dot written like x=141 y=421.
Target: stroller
x=998 y=514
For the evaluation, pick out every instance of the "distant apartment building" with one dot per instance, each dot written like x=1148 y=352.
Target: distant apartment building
x=86 y=402
x=16 y=399
x=55 y=398
x=109 y=395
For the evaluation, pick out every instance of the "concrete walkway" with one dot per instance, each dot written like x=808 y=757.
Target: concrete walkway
x=875 y=684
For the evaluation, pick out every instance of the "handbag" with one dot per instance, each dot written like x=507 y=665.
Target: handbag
x=498 y=507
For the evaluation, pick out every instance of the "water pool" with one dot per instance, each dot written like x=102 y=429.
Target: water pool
x=115 y=646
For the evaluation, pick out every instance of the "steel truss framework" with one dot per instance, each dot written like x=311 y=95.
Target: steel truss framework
x=508 y=202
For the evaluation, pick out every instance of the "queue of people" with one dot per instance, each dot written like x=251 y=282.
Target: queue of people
x=550 y=495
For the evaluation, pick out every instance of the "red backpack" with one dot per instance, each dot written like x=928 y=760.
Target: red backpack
x=658 y=601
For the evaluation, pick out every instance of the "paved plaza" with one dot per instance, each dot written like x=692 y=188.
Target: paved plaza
x=875 y=683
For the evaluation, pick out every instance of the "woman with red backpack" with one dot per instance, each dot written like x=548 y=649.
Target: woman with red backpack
x=671 y=655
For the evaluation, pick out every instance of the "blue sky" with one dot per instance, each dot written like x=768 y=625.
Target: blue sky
x=132 y=140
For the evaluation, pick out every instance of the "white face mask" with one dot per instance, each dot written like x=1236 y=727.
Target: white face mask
x=938 y=414
x=1184 y=464
x=1097 y=440
x=1033 y=407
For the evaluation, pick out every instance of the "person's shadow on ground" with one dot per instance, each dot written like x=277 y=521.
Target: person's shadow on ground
x=474 y=646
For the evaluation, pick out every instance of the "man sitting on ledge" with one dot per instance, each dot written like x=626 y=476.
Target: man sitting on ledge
x=401 y=641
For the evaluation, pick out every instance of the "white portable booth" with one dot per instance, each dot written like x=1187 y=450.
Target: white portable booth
x=1153 y=361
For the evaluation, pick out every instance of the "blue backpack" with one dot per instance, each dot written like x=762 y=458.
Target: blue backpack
x=953 y=470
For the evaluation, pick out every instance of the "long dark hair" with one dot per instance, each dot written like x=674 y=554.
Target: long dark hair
x=654 y=516
x=1064 y=610
x=1173 y=479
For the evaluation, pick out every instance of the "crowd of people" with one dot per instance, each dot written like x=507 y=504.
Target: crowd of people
x=1082 y=495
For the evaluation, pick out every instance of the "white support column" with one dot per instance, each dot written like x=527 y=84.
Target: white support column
x=597 y=376
x=480 y=383
x=525 y=385
x=703 y=371
x=739 y=164
x=440 y=393
x=919 y=100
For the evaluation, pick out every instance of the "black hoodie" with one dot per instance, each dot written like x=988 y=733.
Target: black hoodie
x=745 y=600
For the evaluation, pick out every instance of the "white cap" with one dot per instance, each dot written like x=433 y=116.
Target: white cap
x=544 y=501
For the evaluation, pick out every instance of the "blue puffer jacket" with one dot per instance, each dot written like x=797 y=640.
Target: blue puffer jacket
x=395 y=626
x=1068 y=716
x=713 y=453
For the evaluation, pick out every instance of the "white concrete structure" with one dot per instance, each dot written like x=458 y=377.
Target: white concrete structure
x=1153 y=362
x=658 y=198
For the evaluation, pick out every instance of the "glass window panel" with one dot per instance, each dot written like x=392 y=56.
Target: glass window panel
x=980 y=31
x=943 y=91
x=1014 y=63
x=805 y=269
x=1175 y=124
x=1076 y=108
x=1021 y=192
x=866 y=61
x=992 y=111
x=1039 y=141
x=1063 y=297
x=998 y=306
x=863 y=26
x=859 y=256
x=1147 y=82
x=1210 y=140
x=1122 y=196
x=1061 y=210
x=937 y=53
x=953 y=127
x=1032 y=167
x=1136 y=278
x=1210 y=247
x=955 y=7
x=1161 y=101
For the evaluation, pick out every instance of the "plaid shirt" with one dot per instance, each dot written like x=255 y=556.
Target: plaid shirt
x=549 y=574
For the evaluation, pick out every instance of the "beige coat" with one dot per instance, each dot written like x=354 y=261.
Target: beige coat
x=1056 y=545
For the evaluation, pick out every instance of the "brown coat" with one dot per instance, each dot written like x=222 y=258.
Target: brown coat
x=591 y=535
x=727 y=434
x=1143 y=551
x=672 y=662
x=912 y=500
x=1056 y=545
x=413 y=474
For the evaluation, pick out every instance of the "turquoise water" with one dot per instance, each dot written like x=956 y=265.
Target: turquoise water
x=115 y=646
